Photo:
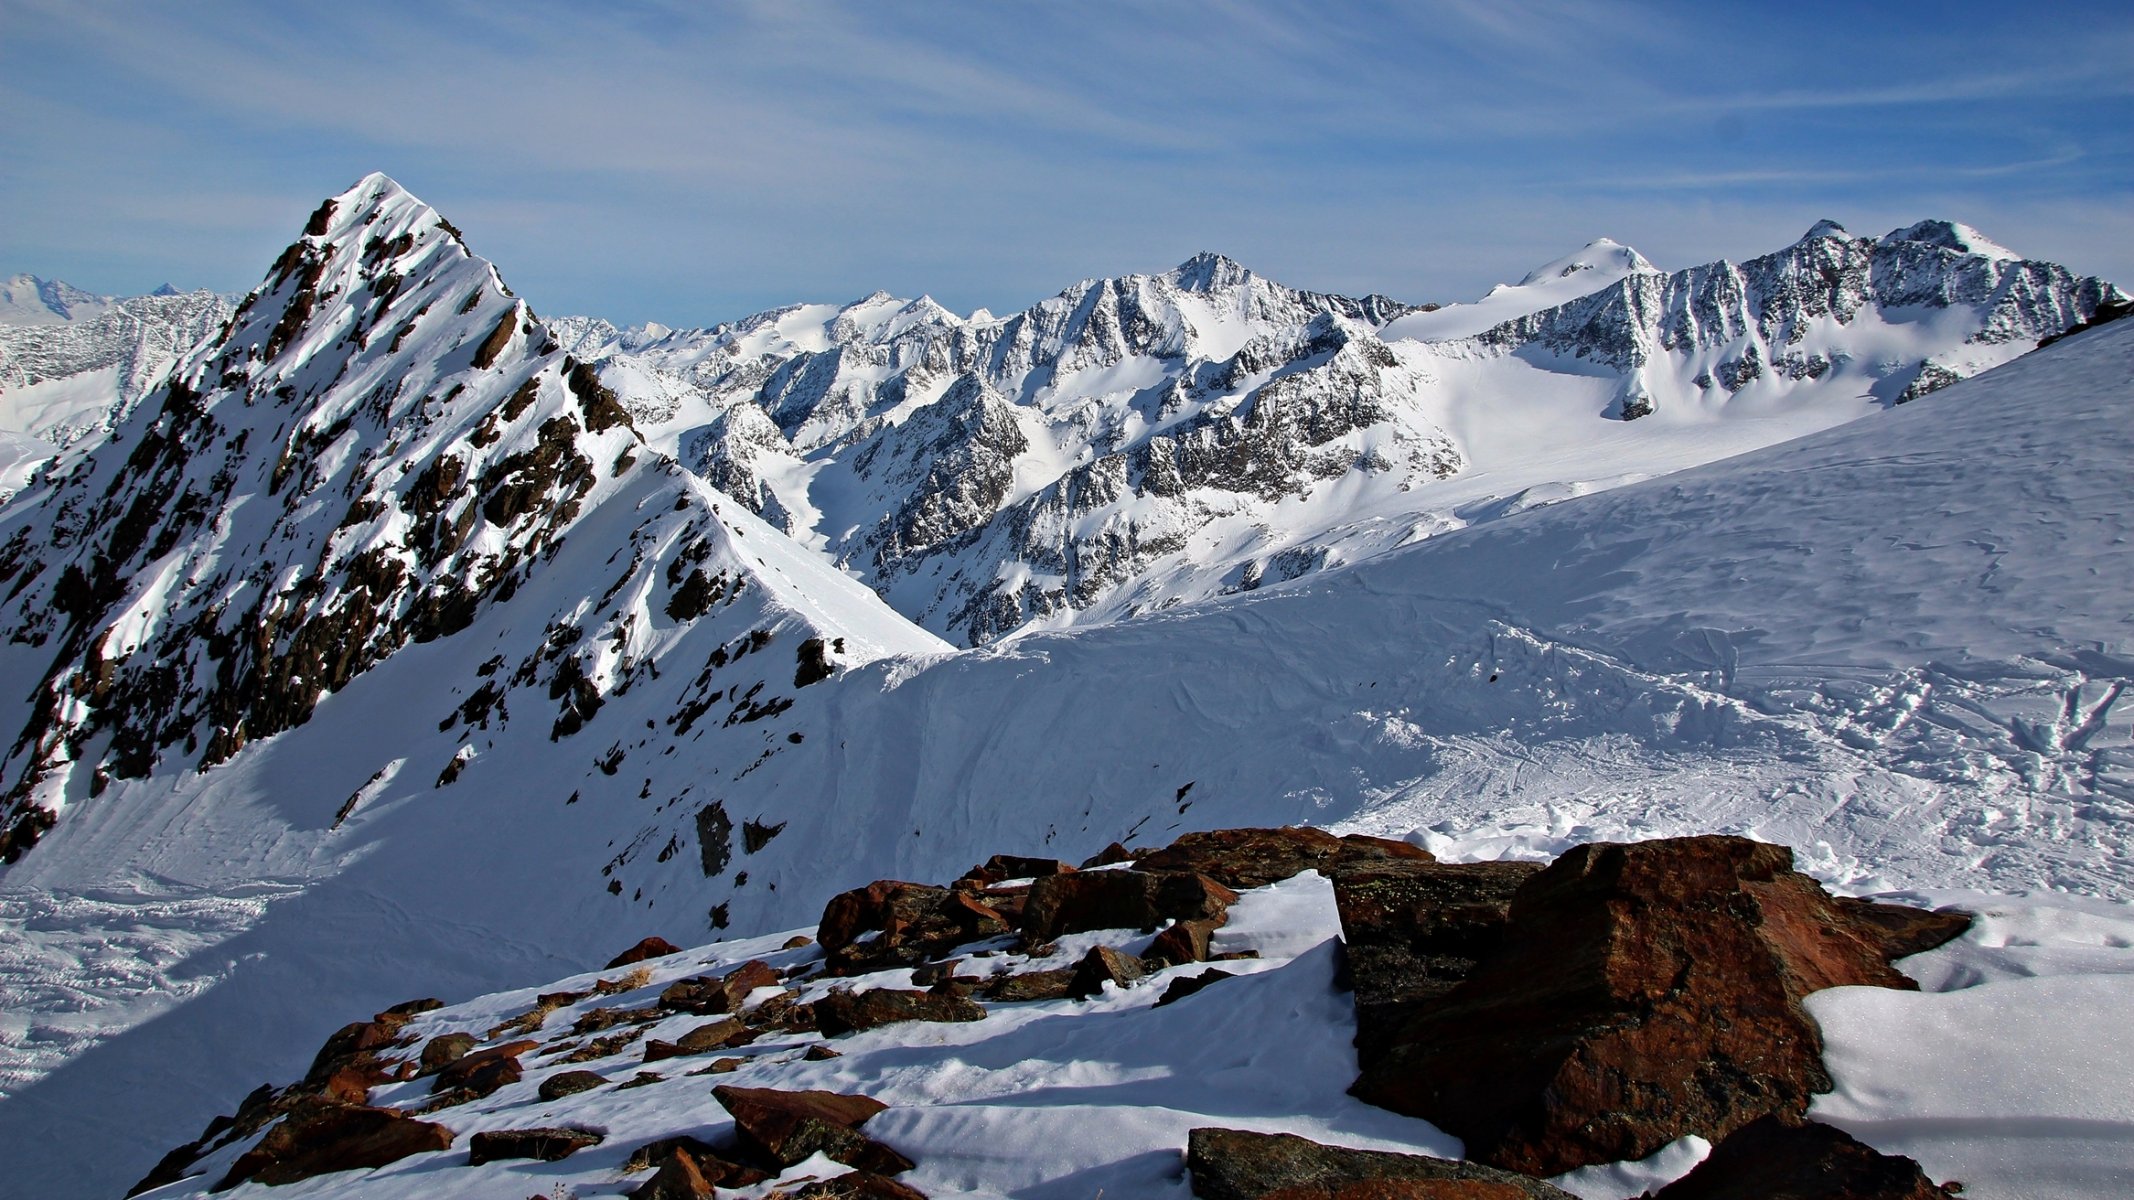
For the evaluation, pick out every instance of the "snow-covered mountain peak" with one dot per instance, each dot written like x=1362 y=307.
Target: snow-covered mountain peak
x=26 y=299
x=1604 y=258
x=1208 y=272
x=1951 y=235
x=1825 y=228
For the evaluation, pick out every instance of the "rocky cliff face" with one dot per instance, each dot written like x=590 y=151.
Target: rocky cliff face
x=1137 y=442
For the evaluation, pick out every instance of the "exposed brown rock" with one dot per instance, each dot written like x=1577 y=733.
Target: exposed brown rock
x=840 y=1013
x=910 y=923
x=548 y=1145
x=1183 y=942
x=859 y=1185
x=1411 y=930
x=1119 y=899
x=1103 y=965
x=319 y=1136
x=709 y=995
x=1109 y=856
x=678 y=1178
x=1771 y=1159
x=1250 y=858
x=1030 y=985
x=1903 y=930
x=1232 y=1164
x=444 y=1050
x=651 y=947
x=688 y=1170
x=703 y=1039
x=820 y=1052
x=1187 y=985
x=1013 y=866
x=1638 y=993
x=483 y=1071
x=786 y=1127
x=570 y=1083
x=607 y=1018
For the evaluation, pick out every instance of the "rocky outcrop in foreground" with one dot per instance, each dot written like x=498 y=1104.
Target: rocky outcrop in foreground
x=1589 y=1011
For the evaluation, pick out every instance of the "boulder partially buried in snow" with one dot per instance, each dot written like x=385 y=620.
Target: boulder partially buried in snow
x=1233 y=1164
x=784 y=1128
x=1771 y=1159
x=1637 y=993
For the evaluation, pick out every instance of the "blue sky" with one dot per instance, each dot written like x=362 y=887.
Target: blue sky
x=692 y=162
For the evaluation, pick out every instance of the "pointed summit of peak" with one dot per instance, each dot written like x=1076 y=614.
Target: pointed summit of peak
x=1825 y=228
x=1207 y=271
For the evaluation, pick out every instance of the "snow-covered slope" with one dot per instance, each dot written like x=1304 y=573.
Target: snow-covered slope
x=1140 y=442
x=73 y=364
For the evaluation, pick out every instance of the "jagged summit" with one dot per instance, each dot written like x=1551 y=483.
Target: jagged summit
x=381 y=448
x=1208 y=272
x=1825 y=228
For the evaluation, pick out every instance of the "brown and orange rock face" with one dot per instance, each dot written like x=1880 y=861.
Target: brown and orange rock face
x=1636 y=993
x=321 y=1136
x=784 y=1127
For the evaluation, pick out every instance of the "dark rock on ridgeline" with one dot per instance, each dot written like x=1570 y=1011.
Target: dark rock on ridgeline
x=1637 y=993
x=548 y=1145
x=651 y=947
x=444 y=1050
x=688 y=1170
x=1188 y=985
x=1002 y=867
x=1771 y=1159
x=1903 y=930
x=891 y=923
x=1232 y=1164
x=1250 y=858
x=716 y=1035
x=1104 y=965
x=1413 y=930
x=1031 y=985
x=1119 y=899
x=482 y=1072
x=784 y=1128
x=840 y=1013
x=570 y=1083
x=1183 y=942
x=710 y=995
x=321 y=1136
x=859 y=1185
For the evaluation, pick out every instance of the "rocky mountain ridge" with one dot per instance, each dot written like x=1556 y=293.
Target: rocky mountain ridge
x=1153 y=439
x=381 y=443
